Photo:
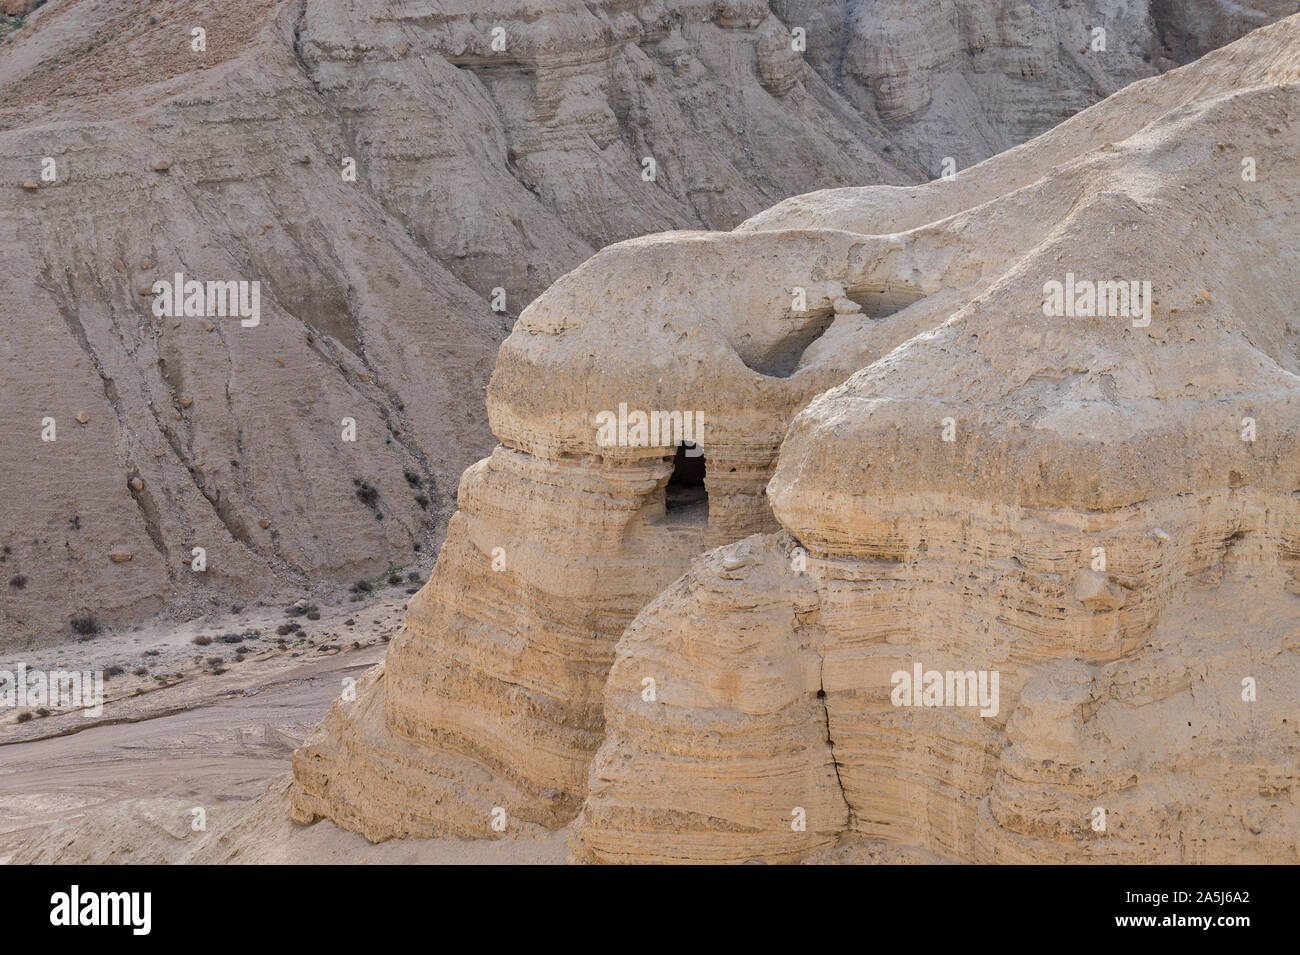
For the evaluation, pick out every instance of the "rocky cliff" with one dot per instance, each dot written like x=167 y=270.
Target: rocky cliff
x=400 y=181
x=1074 y=527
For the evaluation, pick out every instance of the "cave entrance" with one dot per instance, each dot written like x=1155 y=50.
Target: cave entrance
x=686 y=498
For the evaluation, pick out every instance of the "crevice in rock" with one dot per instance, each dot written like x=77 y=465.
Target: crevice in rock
x=830 y=742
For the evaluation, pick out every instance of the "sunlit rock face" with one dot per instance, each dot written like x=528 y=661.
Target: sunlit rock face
x=1061 y=505
x=491 y=149
x=640 y=404
x=1085 y=506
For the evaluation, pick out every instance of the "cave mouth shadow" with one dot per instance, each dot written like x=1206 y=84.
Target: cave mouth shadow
x=686 y=497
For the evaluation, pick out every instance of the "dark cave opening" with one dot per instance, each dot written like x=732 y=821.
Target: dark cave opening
x=686 y=497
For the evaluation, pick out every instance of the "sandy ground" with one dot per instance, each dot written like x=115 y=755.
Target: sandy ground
x=210 y=735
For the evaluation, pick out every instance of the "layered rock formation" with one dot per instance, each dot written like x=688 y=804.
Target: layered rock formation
x=492 y=695
x=1098 y=513
x=484 y=170
x=1102 y=512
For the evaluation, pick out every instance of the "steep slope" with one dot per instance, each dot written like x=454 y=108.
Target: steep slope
x=758 y=685
x=482 y=174
x=1102 y=510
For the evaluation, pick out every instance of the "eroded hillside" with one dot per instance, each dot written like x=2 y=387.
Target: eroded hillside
x=1091 y=511
x=487 y=165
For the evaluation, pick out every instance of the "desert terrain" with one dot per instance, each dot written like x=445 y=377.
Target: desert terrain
x=370 y=581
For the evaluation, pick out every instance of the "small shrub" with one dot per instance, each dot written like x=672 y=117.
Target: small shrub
x=202 y=640
x=18 y=581
x=84 y=625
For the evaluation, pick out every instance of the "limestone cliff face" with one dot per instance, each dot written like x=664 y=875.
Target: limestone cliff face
x=478 y=168
x=1104 y=528
x=492 y=693
x=1063 y=504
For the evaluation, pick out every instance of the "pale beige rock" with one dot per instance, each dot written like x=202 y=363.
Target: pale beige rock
x=484 y=699
x=1130 y=727
x=477 y=169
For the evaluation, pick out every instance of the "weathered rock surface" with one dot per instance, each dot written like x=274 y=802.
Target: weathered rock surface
x=477 y=169
x=1107 y=530
x=771 y=660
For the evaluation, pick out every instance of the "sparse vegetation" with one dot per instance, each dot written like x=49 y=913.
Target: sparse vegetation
x=202 y=640
x=84 y=625
x=12 y=24
x=366 y=494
